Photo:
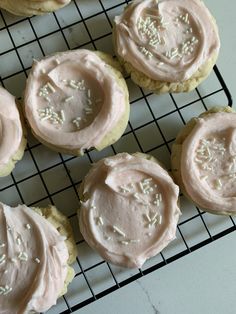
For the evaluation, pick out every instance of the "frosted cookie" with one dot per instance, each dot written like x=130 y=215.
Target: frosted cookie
x=12 y=140
x=168 y=45
x=34 y=258
x=204 y=160
x=32 y=7
x=77 y=100
x=129 y=209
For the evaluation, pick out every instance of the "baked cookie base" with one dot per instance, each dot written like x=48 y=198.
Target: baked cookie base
x=177 y=150
x=62 y=224
x=7 y=169
x=29 y=7
x=159 y=87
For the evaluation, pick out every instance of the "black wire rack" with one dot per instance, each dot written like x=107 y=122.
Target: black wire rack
x=44 y=177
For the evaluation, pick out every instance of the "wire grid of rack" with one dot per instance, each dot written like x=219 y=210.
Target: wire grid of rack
x=44 y=177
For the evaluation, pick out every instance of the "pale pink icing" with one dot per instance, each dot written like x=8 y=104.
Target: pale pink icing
x=202 y=33
x=102 y=96
x=116 y=200
x=208 y=162
x=32 y=285
x=10 y=127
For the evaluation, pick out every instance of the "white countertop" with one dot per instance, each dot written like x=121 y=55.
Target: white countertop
x=204 y=281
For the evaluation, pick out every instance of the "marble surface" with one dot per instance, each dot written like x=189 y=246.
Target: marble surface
x=204 y=281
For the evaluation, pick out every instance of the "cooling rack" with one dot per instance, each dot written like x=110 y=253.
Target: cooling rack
x=44 y=177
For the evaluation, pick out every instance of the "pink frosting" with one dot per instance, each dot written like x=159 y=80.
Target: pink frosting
x=130 y=212
x=83 y=95
x=167 y=40
x=10 y=127
x=33 y=261
x=208 y=162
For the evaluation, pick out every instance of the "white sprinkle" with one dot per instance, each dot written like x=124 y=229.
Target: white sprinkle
x=141 y=186
x=147 y=180
x=218 y=184
x=13 y=260
x=23 y=256
x=134 y=241
x=37 y=260
x=116 y=229
x=136 y=195
x=69 y=99
x=52 y=89
x=2 y=245
x=73 y=85
x=100 y=221
x=58 y=61
x=204 y=177
x=198 y=161
x=43 y=71
x=89 y=93
x=124 y=242
x=107 y=238
x=186 y=18
x=63 y=115
x=148 y=217
x=5 y=271
x=160 y=220
x=8 y=290
x=124 y=189
x=5 y=290
x=149 y=234
x=45 y=118
x=76 y=122
x=153 y=222
x=18 y=241
x=2 y=257
x=154 y=216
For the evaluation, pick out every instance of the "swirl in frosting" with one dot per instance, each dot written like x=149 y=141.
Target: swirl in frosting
x=73 y=99
x=10 y=128
x=208 y=163
x=167 y=40
x=33 y=261
x=129 y=211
